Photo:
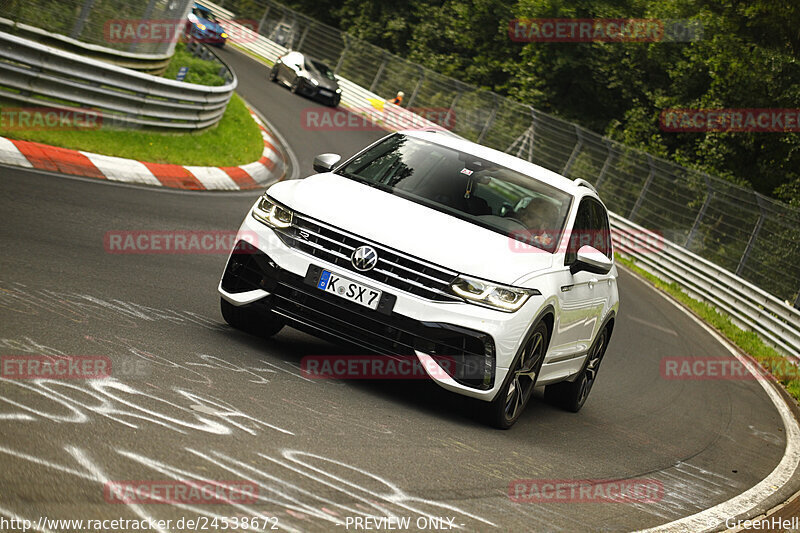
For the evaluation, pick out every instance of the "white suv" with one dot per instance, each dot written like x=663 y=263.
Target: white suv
x=427 y=244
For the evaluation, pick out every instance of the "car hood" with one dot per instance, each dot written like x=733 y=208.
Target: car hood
x=213 y=27
x=412 y=228
x=324 y=82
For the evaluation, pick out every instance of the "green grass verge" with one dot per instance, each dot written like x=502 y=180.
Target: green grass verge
x=768 y=357
x=200 y=71
x=235 y=140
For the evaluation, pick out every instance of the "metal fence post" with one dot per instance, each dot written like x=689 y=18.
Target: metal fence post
x=344 y=52
x=451 y=110
x=416 y=89
x=610 y=158
x=378 y=75
x=534 y=129
x=647 y=183
x=303 y=37
x=521 y=140
x=575 y=150
x=699 y=219
x=148 y=12
x=753 y=237
x=77 y=28
x=490 y=120
x=263 y=20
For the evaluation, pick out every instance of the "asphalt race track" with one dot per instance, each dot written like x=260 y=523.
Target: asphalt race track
x=190 y=397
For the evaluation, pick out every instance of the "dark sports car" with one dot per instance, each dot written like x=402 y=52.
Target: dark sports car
x=308 y=77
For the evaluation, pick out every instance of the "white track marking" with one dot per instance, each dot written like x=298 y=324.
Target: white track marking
x=121 y=169
x=10 y=154
x=213 y=178
x=715 y=517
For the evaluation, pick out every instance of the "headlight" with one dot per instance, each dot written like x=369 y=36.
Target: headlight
x=313 y=82
x=492 y=295
x=223 y=35
x=338 y=91
x=272 y=214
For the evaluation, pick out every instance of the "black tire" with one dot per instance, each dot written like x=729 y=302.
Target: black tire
x=295 y=88
x=263 y=324
x=512 y=398
x=572 y=395
x=273 y=74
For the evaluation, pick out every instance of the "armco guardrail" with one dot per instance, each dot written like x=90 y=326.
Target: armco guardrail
x=750 y=307
x=150 y=63
x=34 y=73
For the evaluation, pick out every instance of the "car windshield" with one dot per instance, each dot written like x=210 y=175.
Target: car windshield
x=323 y=69
x=204 y=13
x=465 y=186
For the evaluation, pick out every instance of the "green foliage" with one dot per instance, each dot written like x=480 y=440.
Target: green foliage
x=201 y=72
x=236 y=140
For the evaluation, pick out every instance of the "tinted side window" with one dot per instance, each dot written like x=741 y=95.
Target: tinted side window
x=601 y=234
x=581 y=234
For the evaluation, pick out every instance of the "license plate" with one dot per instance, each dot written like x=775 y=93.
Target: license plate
x=325 y=92
x=349 y=289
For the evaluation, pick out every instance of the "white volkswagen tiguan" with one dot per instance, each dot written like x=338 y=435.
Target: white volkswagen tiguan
x=428 y=245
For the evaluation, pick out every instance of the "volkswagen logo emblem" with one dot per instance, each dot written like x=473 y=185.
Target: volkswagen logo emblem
x=364 y=258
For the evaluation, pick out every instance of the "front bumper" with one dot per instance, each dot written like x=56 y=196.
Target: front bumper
x=277 y=276
x=320 y=94
x=208 y=37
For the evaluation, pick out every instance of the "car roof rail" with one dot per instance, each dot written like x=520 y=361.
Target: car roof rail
x=580 y=182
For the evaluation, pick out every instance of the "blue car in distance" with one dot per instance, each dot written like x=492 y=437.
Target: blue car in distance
x=205 y=27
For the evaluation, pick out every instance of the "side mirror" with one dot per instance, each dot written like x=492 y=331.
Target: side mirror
x=325 y=162
x=591 y=260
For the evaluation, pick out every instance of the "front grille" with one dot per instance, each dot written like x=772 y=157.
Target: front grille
x=395 y=269
x=385 y=333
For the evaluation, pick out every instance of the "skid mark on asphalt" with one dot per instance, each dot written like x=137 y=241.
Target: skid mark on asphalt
x=78 y=402
x=331 y=490
x=651 y=325
x=336 y=421
x=687 y=489
x=79 y=308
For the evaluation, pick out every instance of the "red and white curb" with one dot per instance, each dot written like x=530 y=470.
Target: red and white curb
x=255 y=175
